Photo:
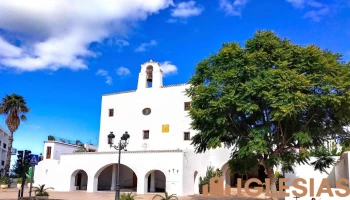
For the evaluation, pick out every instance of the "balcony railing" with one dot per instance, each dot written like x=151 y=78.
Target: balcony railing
x=67 y=141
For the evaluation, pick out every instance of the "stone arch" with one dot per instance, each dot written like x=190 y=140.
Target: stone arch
x=79 y=180
x=226 y=174
x=106 y=178
x=196 y=183
x=155 y=181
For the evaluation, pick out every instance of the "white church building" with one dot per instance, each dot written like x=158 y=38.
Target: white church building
x=159 y=154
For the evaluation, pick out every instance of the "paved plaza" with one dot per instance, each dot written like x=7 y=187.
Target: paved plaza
x=11 y=194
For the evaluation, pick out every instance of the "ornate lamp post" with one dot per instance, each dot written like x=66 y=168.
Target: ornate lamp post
x=123 y=142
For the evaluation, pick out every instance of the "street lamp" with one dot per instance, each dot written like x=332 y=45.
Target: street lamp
x=123 y=142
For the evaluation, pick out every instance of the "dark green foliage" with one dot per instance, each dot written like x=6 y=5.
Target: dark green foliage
x=41 y=190
x=165 y=197
x=269 y=99
x=345 y=145
x=18 y=169
x=278 y=176
x=14 y=107
x=81 y=149
x=128 y=196
x=210 y=173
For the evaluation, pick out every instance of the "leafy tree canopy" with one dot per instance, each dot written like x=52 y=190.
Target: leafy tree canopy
x=269 y=99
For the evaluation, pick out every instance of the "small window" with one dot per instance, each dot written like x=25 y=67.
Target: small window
x=4 y=145
x=111 y=112
x=187 y=136
x=187 y=105
x=48 y=153
x=146 y=135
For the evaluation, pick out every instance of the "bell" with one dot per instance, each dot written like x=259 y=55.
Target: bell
x=149 y=77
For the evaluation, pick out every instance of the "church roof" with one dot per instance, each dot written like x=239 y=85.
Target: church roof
x=130 y=91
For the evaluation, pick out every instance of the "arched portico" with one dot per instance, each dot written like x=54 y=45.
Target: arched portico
x=106 y=178
x=226 y=173
x=79 y=180
x=155 y=181
x=196 y=183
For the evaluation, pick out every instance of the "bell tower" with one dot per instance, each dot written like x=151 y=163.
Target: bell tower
x=150 y=76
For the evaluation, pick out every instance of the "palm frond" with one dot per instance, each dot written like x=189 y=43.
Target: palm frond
x=322 y=163
x=158 y=195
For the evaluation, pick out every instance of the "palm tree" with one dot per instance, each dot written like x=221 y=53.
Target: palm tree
x=128 y=196
x=41 y=190
x=13 y=107
x=166 y=197
x=81 y=149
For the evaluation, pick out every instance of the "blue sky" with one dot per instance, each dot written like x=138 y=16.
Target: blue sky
x=62 y=57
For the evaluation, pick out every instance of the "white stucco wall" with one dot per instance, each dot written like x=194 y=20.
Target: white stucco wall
x=167 y=107
x=195 y=166
x=178 y=167
x=340 y=170
x=307 y=172
x=58 y=148
x=141 y=163
x=47 y=172
x=166 y=152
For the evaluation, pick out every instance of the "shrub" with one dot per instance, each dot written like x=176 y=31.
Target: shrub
x=209 y=174
x=278 y=175
x=19 y=181
x=165 y=197
x=128 y=196
x=4 y=180
x=41 y=190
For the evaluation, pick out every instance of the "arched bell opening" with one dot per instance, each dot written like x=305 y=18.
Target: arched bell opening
x=149 y=77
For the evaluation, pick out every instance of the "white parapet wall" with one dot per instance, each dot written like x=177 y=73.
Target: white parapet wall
x=324 y=182
x=322 y=196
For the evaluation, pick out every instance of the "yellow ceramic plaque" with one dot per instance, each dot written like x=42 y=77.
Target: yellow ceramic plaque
x=165 y=128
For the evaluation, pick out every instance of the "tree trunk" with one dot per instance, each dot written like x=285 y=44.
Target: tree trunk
x=8 y=159
x=271 y=175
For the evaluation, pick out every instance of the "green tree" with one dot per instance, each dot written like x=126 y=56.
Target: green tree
x=345 y=145
x=19 y=169
x=267 y=100
x=14 y=107
x=210 y=173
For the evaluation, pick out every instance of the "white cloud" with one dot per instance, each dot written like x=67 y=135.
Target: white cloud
x=316 y=15
x=318 y=10
x=109 y=80
x=118 y=42
x=168 y=68
x=303 y=3
x=233 y=8
x=8 y=50
x=123 y=71
x=143 y=47
x=171 y=20
x=101 y=72
x=187 y=9
x=104 y=73
x=57 y=34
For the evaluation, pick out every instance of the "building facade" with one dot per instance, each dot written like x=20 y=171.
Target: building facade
x=4 y=140
x=159 y=154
